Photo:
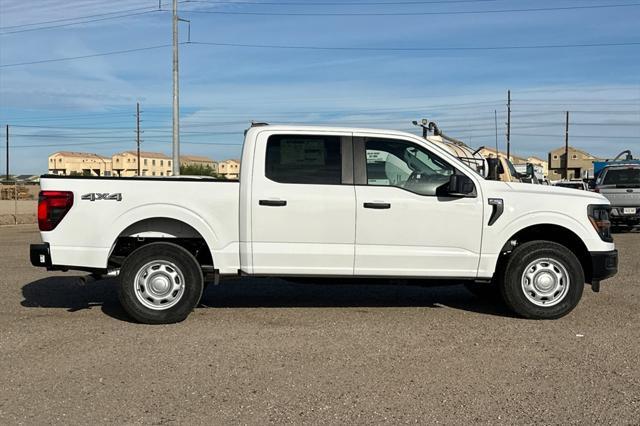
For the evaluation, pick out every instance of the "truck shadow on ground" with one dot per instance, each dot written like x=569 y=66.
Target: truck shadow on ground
x=77 y=293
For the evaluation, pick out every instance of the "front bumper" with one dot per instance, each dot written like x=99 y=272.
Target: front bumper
x=604 y=264
x=618 y=215
x=40 y=255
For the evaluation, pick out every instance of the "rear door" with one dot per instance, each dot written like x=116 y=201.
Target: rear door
x=303 y=204
x=407 y=225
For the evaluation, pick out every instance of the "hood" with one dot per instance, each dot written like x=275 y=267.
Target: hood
x=529 y=188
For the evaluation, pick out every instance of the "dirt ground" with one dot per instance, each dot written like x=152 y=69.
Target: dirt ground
x=26 y=211
x=266 y=351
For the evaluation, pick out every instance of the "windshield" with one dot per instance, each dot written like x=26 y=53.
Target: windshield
x=629 y=176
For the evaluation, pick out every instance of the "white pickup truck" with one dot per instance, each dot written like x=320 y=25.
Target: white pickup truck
x=328 y=202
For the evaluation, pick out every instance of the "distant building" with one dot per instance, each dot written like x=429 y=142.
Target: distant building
x=487 y=151
x=580 y=164
x=517 y=160
x=230 y=169
x=27 y=179
x=151 y=164
x=79 y=163
x=196 y=160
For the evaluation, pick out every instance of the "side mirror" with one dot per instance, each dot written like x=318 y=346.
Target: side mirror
x=461 y=185
x=493 y=164
x=530 y=170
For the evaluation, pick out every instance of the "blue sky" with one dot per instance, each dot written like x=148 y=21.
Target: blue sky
x=89 y=104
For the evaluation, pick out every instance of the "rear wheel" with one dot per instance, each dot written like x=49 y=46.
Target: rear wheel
x=542 y=280
x=160 y=283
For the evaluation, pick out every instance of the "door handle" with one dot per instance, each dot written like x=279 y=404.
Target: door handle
x=273 y=203
x=377 y=206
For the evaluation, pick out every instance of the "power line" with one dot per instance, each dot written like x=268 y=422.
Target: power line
x=68 y=24
x=94 y=55
x=66 y=136
x=579 y=136
x=458 y=12
x=345 y=3
x=73 y=144
x=124 y=141
x=112 y=136
x=53 y=21
x=416 y=49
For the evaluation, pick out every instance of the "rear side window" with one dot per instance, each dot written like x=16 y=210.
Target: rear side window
x=313 y=159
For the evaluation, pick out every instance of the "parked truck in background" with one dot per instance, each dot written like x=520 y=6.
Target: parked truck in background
x=620 y=184
x=328 y=202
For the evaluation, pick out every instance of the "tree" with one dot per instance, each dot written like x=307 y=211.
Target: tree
x=198 y=170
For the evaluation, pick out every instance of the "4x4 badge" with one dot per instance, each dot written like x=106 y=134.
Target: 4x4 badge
x=95 y=196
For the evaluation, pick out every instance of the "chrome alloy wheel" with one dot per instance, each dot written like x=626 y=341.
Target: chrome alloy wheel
x=545 y=282
x=159 y=285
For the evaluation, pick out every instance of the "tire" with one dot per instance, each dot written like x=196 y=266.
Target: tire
x=542 y=280
x=160 y=283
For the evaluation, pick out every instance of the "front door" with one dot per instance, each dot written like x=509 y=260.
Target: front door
x=303 y=205
x=407 y=224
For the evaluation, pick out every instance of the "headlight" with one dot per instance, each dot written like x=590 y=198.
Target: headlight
x=599 y=217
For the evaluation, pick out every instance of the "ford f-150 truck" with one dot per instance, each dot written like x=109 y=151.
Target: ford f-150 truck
x=328 y=202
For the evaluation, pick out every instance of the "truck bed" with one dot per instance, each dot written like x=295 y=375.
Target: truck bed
x=105 y=208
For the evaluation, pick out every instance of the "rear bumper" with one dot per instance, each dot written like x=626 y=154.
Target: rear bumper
x=40 y=255
x=604 y=265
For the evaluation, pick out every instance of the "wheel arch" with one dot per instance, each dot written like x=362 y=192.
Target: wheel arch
x=550 y=232
x=161 y=229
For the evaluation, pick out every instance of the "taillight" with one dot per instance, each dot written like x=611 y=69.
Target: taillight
x=599 y=218
x=52 y=207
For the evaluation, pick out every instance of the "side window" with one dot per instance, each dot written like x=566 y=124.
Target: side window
x=304 y=159
x=402 y=164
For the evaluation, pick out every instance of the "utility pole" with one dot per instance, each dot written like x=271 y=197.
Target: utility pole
x=508 y=124
x=138 y=133
x=566 y=148
x=7 y=177
x=176 y=105
x=495 y=122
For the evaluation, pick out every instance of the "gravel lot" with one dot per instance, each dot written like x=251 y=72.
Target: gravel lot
x=267 y=351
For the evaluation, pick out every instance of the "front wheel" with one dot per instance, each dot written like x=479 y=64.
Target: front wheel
x=160 y=283
x=542 y=280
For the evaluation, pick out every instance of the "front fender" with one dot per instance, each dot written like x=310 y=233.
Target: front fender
x=495 y=237
x=586 y=234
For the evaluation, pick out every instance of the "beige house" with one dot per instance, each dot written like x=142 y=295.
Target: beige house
x=515 y=159
x=486 y=152
x=197 y=160
x=79 y=163
x=580 y=164
x=151 y=164
x=230 y=169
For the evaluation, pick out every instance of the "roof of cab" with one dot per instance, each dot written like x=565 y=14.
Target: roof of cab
x=324 y=128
